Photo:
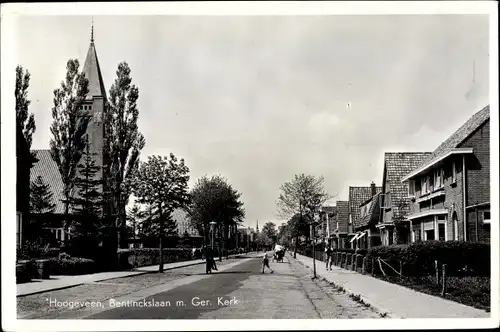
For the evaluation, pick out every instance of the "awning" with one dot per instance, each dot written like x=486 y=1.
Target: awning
x=426 y=213
x=354 y=238
x=361 y=235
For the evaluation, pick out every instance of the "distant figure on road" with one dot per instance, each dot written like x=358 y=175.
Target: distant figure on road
x=265 y=263
x=328 y=260
x=210 y=261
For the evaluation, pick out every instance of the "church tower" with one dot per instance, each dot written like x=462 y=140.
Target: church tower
x=94 y=105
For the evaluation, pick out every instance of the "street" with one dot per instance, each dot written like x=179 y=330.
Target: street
x=237 y=291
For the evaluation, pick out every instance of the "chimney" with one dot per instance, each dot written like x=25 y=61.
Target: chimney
x=374 y=189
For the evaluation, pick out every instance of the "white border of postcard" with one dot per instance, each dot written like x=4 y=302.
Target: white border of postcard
x=8 y=33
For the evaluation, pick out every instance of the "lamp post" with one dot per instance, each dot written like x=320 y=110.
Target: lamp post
x=212 y=224
x=313 y=226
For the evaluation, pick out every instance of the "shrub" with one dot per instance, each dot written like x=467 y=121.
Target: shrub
x=65 y=265
x=32 y=250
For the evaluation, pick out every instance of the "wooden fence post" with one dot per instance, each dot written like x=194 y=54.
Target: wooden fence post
x=436 y=267
x=373 y=266
x=443 y=291
x=355 y=265
x=400 y=270
x=346 y=261
x=363 y=266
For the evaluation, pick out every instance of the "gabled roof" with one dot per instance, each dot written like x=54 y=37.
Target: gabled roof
x=47 y=168
x=373 y=213
x=92 y=72
x=180 y=216
x=343 y=216
x=396 y=166
x=357 y=196
x=455 y=140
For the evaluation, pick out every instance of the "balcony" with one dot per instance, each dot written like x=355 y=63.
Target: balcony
x=433 y=194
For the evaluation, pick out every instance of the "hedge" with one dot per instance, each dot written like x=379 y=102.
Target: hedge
x=138 y=257
x=65 y=265
x=418 y=259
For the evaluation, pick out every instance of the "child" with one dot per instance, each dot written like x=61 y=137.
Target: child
x=328 y=254
x=265 y=263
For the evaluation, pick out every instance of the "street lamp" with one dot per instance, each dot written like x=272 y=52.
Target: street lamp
x=212 y=224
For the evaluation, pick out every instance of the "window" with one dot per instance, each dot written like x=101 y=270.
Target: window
x=441 y=232
x=438 y=179
x=429 y=235
x=411 y=188
x=424 y=184
x=453 y=172
x=390 y=237
x=486 y=217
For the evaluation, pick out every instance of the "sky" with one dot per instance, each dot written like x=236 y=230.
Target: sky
x=258 y=99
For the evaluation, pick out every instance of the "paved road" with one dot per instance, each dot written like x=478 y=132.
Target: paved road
x=237 y=291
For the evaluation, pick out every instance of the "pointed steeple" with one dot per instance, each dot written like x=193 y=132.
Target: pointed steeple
x=257 y=228
x=92 y=71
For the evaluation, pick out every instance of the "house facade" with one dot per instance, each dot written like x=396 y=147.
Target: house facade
x=394 y=200
x=365 y=213
x=339 y=235
x=450 y=191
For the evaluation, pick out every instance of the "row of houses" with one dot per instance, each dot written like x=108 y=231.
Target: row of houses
x=441 y=195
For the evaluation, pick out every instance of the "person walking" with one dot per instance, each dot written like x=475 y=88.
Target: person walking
x=265 y=263
x=328 y=260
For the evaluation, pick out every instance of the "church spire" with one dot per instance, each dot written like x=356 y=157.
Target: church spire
x=92 y=70
x=92 y=32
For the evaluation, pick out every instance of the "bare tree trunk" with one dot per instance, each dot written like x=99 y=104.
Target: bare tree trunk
x=296 y=245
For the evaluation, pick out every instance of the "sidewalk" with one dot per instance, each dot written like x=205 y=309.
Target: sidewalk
x=60 y=282
x=395 y=300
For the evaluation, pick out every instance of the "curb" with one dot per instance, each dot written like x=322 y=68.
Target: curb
x=133 y=274
x=377 y=308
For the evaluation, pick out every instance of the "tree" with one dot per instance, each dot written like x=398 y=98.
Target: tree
x=41 y=202
x=269 y=230
x=89 y=201
x=41 y=198
x=123 y=142
x=68 y=129
x=24 y=118
x=162 y=182
x=301 y=198
x=214 y=199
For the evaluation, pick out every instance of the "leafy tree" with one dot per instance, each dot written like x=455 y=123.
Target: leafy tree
x=301 y=197
x=269 y=230
x=24 y=118
x=214 y=199
x=68 y=129
x=284 y=235
x=123 y=142
x=41 y=198
x=162 y=182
